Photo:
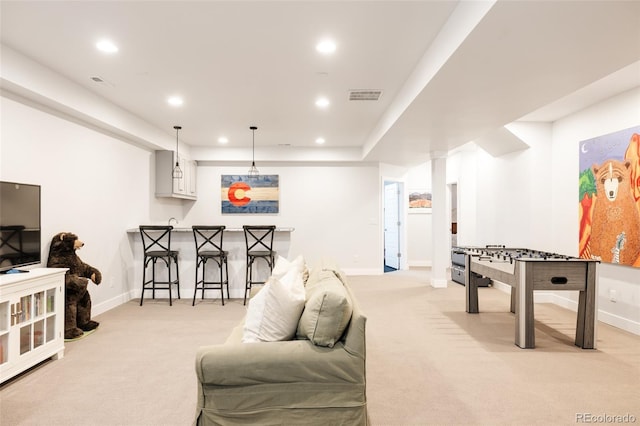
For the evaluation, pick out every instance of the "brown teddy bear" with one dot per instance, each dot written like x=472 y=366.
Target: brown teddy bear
x=77 y=314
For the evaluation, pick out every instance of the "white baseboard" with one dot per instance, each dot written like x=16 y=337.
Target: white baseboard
x=501 y=286
x=419 y=263
x=439 y=283
x=114 y=302
x=370 y=271
x=619 y=322
x=603 y=316
x=539 y=297
x=185 y=293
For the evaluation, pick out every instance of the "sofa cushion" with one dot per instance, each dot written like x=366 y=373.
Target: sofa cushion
x=274 y=312
x=284 y=265
x=327 y=309
x=255 y=314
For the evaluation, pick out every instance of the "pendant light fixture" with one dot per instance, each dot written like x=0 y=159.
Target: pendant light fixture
x=177 y=172
x=253 y=171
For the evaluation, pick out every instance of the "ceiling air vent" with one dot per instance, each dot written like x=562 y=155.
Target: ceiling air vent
x=101 y=81
x=364 y=95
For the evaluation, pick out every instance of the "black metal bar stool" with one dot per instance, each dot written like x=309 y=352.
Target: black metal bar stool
x=259 y=240
x=209 y=247
x=156 y=241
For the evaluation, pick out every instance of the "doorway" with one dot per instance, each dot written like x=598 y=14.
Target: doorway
x=453 y=189
x=392 y=225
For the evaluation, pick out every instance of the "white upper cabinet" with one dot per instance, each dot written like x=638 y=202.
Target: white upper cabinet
x=167 y=185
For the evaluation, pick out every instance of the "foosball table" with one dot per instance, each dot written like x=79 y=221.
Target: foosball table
x=528 y=270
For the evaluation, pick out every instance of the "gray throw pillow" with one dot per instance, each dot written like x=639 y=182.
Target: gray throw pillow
x=327 y=310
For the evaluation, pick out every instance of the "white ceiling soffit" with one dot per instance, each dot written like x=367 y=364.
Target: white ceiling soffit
x=500 y=142
x=520 y=57
x=619 y=82
x=451 y=72
x=378 y=147
x=235 y=63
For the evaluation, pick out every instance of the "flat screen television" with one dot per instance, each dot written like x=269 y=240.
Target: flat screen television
x=20 y=235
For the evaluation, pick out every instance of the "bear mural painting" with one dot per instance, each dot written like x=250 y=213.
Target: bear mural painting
x=610 y=198
x=615 y=230
x=77 y=314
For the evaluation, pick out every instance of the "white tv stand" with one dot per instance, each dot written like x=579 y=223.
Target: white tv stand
x=31 y=319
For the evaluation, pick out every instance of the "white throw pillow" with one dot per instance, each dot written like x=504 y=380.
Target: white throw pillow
x=283 y=307
x=255 y=312
x=283 y=266
x=274 y=313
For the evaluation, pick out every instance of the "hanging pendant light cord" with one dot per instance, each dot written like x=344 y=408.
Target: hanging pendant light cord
x=253 y=171
x=177 y=172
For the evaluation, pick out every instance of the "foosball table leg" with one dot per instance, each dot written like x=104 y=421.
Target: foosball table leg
x=525 y=330
x=512 y=308
x=586 y=323
x=470 y=287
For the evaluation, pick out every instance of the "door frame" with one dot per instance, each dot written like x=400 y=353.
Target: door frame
x=401 y=218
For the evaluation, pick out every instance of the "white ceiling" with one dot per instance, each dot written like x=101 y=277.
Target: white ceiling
x=450 y=72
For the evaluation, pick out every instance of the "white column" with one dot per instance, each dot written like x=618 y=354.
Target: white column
x=440 y=223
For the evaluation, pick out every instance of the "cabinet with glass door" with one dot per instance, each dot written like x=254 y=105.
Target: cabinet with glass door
x=31 y=319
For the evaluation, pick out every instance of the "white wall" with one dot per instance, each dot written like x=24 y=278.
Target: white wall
x=514 y=192
x=462 y=170
x=419 y=244
x=529 y=199
x=92 y=185
x=419 y=232
x=98 y=186
x=334 y=209
x=617 y=113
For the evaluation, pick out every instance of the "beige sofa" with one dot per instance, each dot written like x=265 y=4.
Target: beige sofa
x=295 y=382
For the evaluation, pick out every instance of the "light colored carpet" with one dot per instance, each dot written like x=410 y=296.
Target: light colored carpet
x=82 y=336
x=428 y=363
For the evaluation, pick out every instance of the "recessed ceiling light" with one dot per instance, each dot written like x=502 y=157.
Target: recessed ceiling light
x=322 y=102
x=175 y=101
x=320 y=141
x=106 y=46
x=223 y=140
x=326 y=47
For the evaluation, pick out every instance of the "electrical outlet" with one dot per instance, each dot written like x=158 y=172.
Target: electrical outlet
x=613 y=296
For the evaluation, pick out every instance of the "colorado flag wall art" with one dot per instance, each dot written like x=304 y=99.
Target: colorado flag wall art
x=248 y=194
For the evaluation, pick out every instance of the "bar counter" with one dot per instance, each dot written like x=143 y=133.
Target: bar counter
x=183 y=241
